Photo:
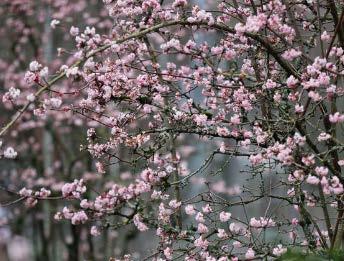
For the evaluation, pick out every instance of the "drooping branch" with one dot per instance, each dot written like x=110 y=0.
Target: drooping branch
x=284 y=64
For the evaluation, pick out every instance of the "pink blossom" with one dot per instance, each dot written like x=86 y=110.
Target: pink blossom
x=35 y=66
x=24 y=192
x=30 y=77
x=175 y=204
x=202 y=229
x=279 y=250
x=201 y=243
x=222 y=131
x=325 y=36
x=200 y=217
x=336 y=118
x=190 y=210
x=54 y=23
x=74 y=31
x=324 y=136
x=179 y=3
x=139 y=224
x=236 y=244
x=256 y=159
x=85 y=204
x=31 y=97
x=235 y=119
x=200 y=119
x=221 y=233
x=235 y=228
x=312 y=180
x=295 y=221
x=321 y=171
x=72 y=71
x=225 y=216
x=95 y=231
x=262 y=222
x=250 y=254
x=270 y=84
x=54 y=102
x=79 y=217
x=43 y=193
x=315 y=96
x=308 y=160
x=292 y=82
x=291 y=54
x=13 y=93
x=168 y=252
x=100 y=167
x=255 y=22
x=10 y=153
x=207 y=209
x=74 y=189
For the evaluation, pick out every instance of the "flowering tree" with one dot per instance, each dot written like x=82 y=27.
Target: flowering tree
x=258 y=81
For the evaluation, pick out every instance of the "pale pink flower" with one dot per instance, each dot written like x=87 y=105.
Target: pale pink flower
x=74 y=31
x=262 y=222
x=24 y=192
x=95 y=231
x=221 y=233
x=321 y=171
x=299 y=108
x=30 y=77
x=200 y=217
x=250 y=254
x=139 y=224
x=34 y=66
x=279 y=250
x=222 y=131
x=225 y=216
x=202 y=229
x=175 y=204
x=190 y=210
x=291 y=54
x=79 y=217
x=201 y=243
x=235 y=119
x=295 y=221
x=168 y=253
x=292 y=82
x=235 y=228
x=312 y=180
x=13 y=93
x=256 y=159
x=100 y=167
x=179 y=3
x=200 y=119
x=54 y=23
x=207 y=209
x=74 y=189
x=325 y=36
x=324 y=136
x=336 y=118
x=236 y=244
x=10 y=153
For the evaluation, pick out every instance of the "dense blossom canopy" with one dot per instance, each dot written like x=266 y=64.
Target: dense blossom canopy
x=140 y=84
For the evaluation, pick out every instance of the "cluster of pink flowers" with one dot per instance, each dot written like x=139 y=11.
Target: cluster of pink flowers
x=154 y=81
x=36 y=73
x=74 y=189
x=262 y=222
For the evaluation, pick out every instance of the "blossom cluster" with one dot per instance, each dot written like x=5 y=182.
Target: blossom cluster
x=156 y=82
